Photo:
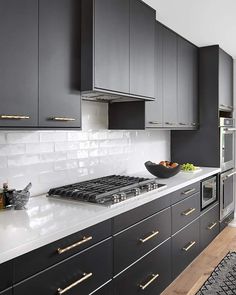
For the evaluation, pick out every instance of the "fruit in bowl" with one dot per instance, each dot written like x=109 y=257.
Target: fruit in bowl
x=164 y=169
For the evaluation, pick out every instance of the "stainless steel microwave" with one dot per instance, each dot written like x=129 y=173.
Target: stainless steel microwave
x=208 y=191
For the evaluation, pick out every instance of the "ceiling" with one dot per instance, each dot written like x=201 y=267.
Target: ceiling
x=203 y=22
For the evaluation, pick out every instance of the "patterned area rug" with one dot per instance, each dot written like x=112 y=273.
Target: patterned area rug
x=223 y=279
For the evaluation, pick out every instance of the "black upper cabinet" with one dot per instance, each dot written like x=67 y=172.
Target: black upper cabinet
x=170 y=103
x=117 y=49
x=59 y=53
x=154 y=110
x=187 y=83
x=18 y=63
x=225 y=81
x=111 y=43
x=142 y=49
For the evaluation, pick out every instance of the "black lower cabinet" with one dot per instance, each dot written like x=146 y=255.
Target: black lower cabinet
x=105 y=290
x=185 y=247
x=225 y=222
x=209 y=226
x=80 y=274
x=6 y=272
x=6 y=292
x=149 y=276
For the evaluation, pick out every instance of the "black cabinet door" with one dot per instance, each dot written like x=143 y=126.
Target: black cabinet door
x=59 y=43
x=225 y=81
x=106 y=290
x=19 y=63
x=187 y=84
x=111 y=45
x=142 y=49
x=81 y=274
x=170 y=106
x=149 y=276
x=6 y=271
x=154 y=109
x=6 y=292
x=185 y=247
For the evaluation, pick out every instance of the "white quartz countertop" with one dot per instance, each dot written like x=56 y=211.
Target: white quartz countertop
x=48 y=220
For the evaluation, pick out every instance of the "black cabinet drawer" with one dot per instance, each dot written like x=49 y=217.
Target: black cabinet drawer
x=209 y=226
x=105 y=290
x=185 y=211
x=185 y=247
x=6 y=292
x=224 y=223
x=6 y=271
x=185 y=192
x=87 y=271
x=155 y=268
x=136 y=241
x=131 y=217
x=37 y=260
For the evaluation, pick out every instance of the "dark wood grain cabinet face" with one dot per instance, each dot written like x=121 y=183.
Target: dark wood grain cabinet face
x=19 y=63
x=111 y=43
x=154 y=109
x=225 y=81
x=94 y=265
x=136 y=241
x=59 y=67
x=6 y=271
x=209 y=226
x=142 y=49
x=170 y=103
x=185 y=211
x=40 y=259
x=185 y=247
x=156 y=266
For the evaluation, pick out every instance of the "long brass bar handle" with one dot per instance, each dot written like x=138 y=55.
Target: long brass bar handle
x=84 y=278
x=191 y=244
x=192 y=190
x=210 y=227
x=14 y=117
x=188 y=212
x=62 y=119
x=154 y=233
x=154 y=277
x=83 y=241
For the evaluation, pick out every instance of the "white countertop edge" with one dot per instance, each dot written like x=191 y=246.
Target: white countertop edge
x=104 y=214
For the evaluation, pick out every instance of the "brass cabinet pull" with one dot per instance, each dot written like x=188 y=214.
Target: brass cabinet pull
x=154 y=233
x=155 y=122
x=14 y=117
x=84 y=278
x=192 y=190
x=210 y=227
x=191 y=244
x=62 y=119
x=84 y=240
x=188 y=212
x=154 y=277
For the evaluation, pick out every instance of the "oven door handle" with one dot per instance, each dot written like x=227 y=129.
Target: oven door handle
x=231 y=174
x=230 y=129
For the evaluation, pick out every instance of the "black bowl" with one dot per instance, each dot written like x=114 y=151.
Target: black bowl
x=161 y=171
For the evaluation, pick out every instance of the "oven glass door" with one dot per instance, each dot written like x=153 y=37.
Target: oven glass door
x=227 y=149
x=228 y=194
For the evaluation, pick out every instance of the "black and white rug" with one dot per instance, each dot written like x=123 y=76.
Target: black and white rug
x=223 y=279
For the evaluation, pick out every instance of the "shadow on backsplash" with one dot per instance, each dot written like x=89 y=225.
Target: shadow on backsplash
x=55 y=158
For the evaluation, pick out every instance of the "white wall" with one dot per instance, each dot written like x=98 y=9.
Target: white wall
x=54 y=158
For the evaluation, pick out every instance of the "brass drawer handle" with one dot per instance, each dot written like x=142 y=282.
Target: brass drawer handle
x=154 y=277
x=210 y=227
x=62 y=119
x=83 y=241
x=188 y=212
x=14 y=117
x=154 y=233
x=191 y=244
x=192 y=190
x=84 y=278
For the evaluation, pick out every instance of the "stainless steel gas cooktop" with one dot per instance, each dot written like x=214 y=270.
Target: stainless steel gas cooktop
x=107 y=190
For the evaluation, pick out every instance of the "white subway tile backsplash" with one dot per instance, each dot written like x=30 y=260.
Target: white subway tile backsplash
x=54 y=158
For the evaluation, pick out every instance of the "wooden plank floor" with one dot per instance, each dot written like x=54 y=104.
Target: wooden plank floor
x=189 y=282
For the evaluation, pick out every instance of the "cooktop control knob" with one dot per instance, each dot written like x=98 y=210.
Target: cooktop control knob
x=123 y=196
x=137 y=191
